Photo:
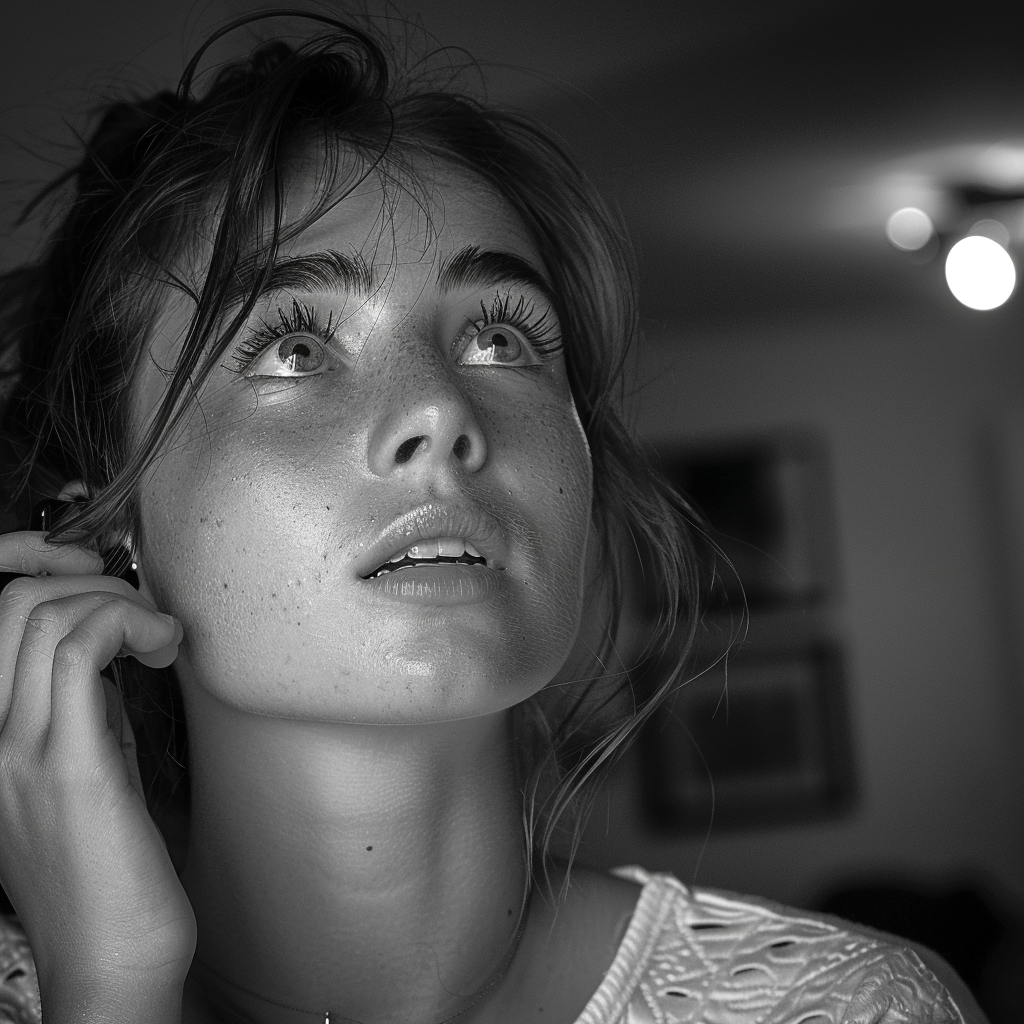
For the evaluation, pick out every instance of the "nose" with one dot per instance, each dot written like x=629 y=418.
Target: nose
x=436 y=429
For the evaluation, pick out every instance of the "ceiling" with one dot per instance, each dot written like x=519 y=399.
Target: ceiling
x=757 y=175
x=753 y=148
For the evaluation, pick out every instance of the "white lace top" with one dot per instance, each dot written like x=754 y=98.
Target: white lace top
x=695 y=956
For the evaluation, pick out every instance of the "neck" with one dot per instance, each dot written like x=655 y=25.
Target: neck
x=375 y=872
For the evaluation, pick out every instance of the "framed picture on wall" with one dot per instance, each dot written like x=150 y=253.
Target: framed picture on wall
x=767 y=500
x=760 y=738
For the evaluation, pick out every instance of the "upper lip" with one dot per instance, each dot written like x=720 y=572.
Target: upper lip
x=431 y=522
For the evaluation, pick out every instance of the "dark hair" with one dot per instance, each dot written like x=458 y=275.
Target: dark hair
x=156 y=168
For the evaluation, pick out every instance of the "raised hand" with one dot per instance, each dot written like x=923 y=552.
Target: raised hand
x=111 y=929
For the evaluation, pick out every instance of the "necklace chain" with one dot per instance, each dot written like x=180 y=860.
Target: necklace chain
x=496 y=976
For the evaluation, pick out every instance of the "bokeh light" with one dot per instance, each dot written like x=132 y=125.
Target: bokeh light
x=994 y=229
x=980 y=272
x=909 y=229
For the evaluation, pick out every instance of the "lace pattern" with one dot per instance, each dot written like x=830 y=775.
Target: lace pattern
x=703 y=957
x=19 y=991
x=693 y=956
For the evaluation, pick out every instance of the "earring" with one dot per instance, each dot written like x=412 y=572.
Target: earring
x=120 y=562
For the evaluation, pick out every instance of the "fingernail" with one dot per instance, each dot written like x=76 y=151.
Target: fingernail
x=179 y=631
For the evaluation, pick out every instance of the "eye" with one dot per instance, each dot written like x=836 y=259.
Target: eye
x=293 y=356
x=296 y=345
x=513 y=330
x=494 y=345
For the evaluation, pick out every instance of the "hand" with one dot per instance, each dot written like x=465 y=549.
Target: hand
x=81 y=860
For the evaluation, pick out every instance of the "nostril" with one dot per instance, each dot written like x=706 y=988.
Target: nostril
x=461 y=447
x=407 y=449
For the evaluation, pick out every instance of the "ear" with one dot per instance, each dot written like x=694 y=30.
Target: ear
x=73 y=490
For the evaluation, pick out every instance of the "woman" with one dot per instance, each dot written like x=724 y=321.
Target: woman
x=330 y=353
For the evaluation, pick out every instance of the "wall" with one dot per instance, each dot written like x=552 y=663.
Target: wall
x=907 y=407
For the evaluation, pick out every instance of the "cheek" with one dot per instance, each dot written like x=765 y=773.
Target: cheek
x=551 y=481
x=235 y=536
x=556 y=468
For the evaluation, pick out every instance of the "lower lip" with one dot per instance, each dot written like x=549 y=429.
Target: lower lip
x=438 y=585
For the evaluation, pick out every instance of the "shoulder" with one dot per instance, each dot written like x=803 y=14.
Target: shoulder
x=19 y=991
x=690 y=953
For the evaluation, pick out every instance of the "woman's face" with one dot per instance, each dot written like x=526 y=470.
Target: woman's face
x=379 y=508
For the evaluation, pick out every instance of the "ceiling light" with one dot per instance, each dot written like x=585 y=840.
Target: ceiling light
x=980 y=272
x=909 y=229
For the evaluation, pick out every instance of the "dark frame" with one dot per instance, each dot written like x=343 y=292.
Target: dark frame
x=760 y=738
x=768 y=501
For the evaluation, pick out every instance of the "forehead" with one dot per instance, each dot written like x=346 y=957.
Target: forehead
x=423 y=213
x=402 y=225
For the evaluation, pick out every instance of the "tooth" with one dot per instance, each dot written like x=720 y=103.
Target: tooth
x=470 y=550
x=383 y=572
x=424 y=549
x=398 y=557
x=450 y=547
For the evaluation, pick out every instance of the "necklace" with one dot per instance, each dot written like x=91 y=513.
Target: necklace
x=496 y=975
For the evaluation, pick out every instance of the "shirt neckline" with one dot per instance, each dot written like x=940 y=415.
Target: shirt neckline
x=609 y=1001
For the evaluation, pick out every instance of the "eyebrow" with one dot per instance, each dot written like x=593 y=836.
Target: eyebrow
x=473 y=267
x=326 y=271
x=468 y=268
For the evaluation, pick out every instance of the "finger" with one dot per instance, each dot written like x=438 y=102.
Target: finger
x=121 y=727
x=26 y=551
x=19 y=599
x=164 y=656
x=78 y=708
x=65 y=629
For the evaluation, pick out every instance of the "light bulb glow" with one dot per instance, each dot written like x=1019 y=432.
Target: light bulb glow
x=980 y=272
x=909 y=229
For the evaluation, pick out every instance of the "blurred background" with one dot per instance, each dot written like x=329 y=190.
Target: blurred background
x=795 y=176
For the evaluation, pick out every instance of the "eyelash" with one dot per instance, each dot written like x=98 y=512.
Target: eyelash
x=302 y=320
x=540 y=331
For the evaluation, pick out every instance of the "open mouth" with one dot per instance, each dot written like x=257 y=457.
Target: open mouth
x=443 y=551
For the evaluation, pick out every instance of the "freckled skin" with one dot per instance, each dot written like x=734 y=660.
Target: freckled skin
x=253 y=522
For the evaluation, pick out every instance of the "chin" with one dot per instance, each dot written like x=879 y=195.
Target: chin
x=421 y=689
x=437 y=682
